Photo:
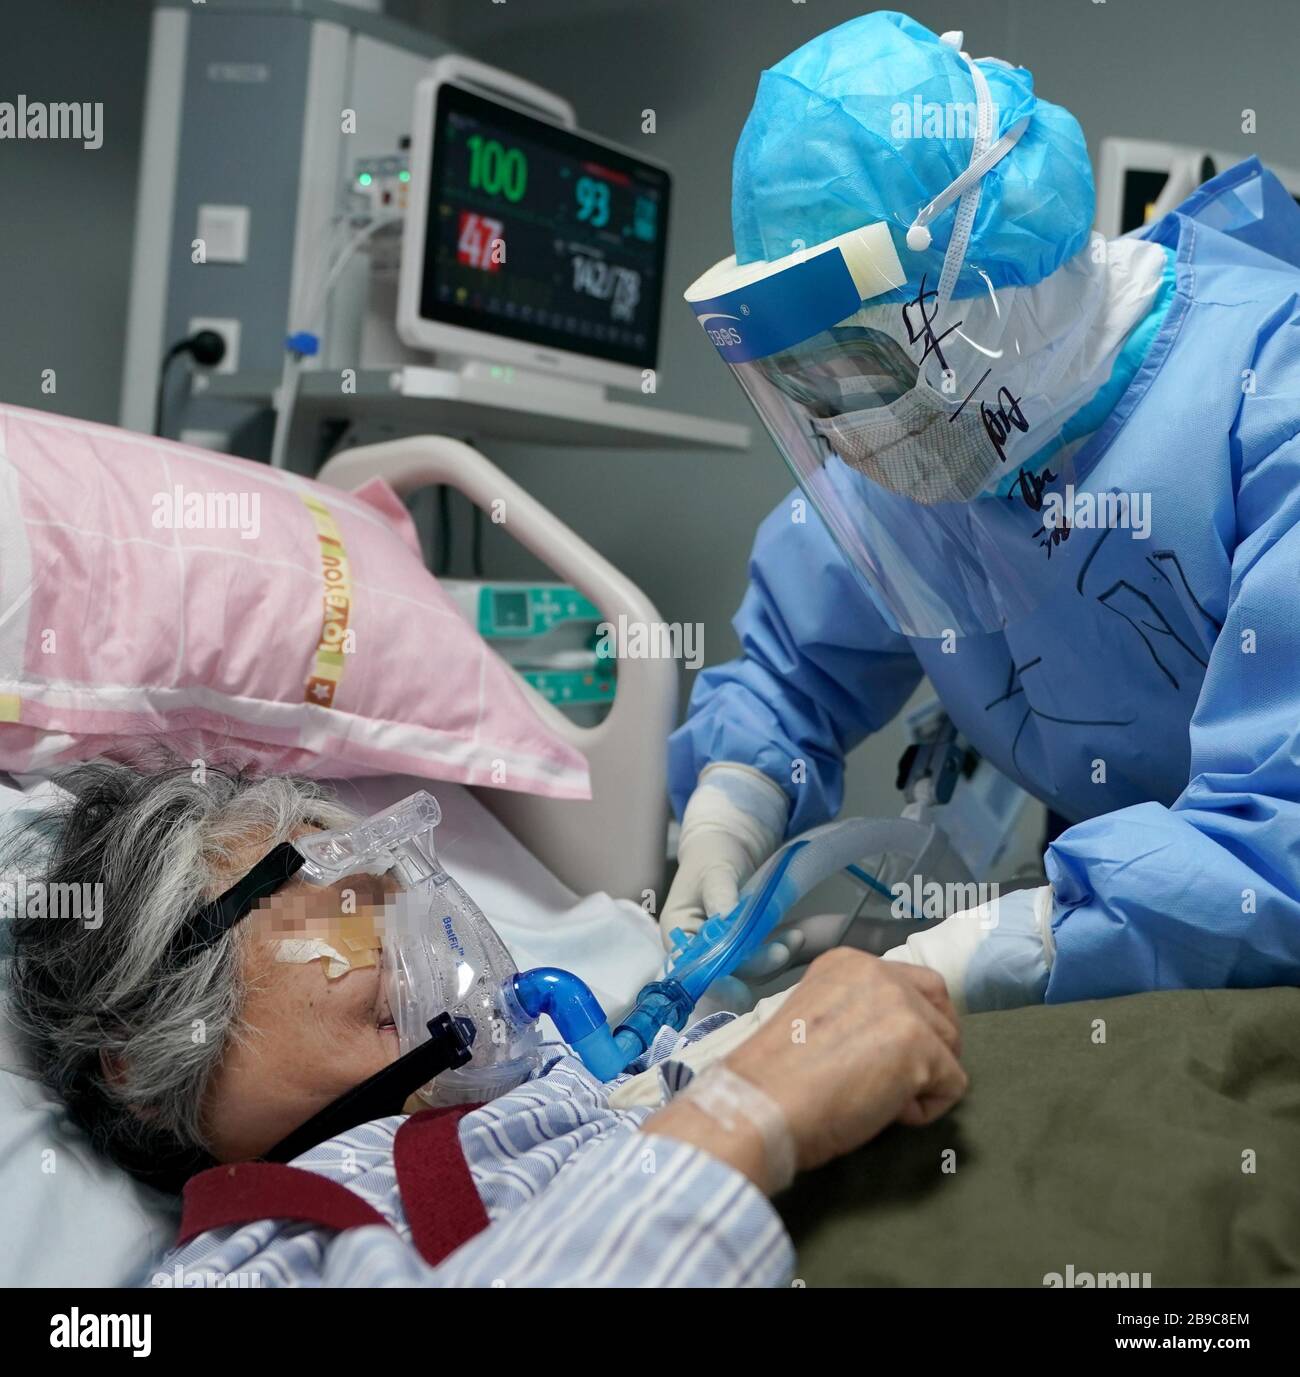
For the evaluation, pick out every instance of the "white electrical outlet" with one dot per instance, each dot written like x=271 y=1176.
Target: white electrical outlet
x=228 y=329
x=224 y=231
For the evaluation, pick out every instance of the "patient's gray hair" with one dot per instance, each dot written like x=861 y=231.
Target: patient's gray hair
x=126 y=1034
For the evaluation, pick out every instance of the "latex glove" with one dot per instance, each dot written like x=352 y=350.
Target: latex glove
x=997 y=956
x=791 y=947
x=733 y=822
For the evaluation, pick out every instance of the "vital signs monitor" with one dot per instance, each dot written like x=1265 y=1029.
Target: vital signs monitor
x=527 y=242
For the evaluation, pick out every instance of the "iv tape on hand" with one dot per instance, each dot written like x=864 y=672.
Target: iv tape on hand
x=726 y=1097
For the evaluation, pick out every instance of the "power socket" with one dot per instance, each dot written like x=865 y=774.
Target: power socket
x=228 y=329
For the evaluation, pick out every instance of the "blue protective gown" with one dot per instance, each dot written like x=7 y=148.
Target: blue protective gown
x=1154 y=696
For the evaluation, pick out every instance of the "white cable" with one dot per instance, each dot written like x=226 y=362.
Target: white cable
x=315 y=320
x=287 y=396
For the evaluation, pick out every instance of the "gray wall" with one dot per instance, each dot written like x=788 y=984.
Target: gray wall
x=69 y=212
x=1180 y=70
x=680 y=525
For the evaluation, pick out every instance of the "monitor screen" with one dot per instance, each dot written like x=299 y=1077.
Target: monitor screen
x=541 y=234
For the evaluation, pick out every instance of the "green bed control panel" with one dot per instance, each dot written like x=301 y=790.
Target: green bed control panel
x=510 y=610
x=549 y=634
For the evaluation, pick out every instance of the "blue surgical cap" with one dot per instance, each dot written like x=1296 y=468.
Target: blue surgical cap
x=829 y=147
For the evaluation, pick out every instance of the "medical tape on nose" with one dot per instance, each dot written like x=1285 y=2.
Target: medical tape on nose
x=350 y=943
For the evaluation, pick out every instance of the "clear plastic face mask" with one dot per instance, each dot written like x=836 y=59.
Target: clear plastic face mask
x=439 y=953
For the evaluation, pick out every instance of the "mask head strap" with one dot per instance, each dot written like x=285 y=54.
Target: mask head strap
x=450 y=1045
x=211 y=923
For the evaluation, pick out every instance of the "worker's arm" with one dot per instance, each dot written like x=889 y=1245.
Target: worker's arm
x=819 y=670
x=1205 y=893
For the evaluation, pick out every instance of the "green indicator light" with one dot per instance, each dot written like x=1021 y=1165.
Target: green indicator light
x=403 y=176
x=364 y=179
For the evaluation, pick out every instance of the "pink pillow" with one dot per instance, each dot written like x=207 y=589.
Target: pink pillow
x=149 y=590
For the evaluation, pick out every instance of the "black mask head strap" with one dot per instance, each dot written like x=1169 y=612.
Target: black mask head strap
x=449 y=1046
x=211 y=923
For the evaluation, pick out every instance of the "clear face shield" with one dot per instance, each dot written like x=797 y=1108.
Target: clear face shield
x=926 y=431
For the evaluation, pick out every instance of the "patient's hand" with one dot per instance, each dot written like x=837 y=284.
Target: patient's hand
x=858 y=1044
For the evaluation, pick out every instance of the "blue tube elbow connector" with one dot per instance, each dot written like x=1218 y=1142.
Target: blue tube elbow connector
x=576 y=1012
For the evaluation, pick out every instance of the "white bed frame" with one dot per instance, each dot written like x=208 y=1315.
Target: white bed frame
x=615 y=842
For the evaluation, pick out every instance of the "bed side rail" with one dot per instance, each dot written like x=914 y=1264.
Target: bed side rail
x=614 y=842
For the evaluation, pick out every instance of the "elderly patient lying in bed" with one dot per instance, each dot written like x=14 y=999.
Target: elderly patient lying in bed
x=180 y=1041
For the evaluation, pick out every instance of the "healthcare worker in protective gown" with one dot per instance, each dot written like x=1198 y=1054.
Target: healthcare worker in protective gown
x=1057 y=475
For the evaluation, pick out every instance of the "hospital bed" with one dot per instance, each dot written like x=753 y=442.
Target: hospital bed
x=594 y=845
x=1166 y=1148
x=557 y=878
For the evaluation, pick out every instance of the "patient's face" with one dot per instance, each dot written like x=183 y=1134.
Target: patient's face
x=311 y=1029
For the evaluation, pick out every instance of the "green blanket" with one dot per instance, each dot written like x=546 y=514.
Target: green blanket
x=1155 y=1134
